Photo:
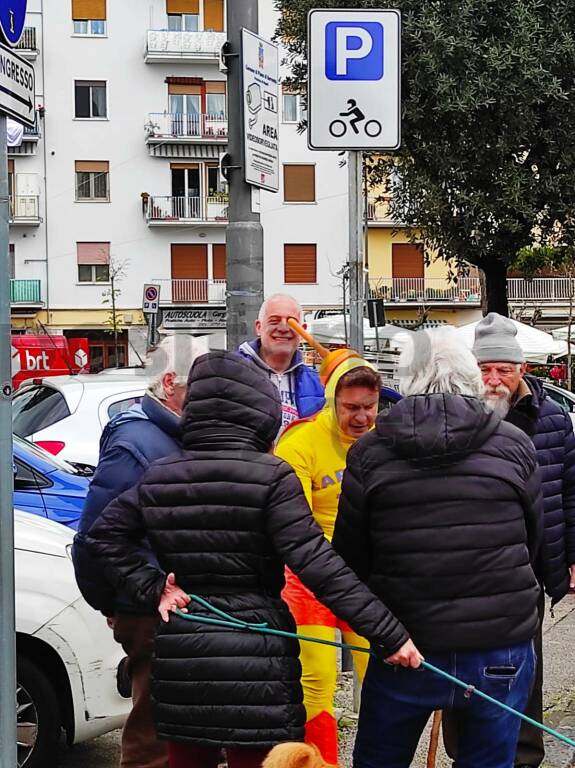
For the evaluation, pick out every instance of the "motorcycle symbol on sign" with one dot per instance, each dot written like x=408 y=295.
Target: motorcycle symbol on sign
x=338 y=128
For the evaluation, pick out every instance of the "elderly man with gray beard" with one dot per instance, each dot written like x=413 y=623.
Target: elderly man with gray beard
x=521 y=400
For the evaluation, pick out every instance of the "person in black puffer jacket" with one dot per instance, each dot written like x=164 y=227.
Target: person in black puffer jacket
x=522 y=401
x=441 y=515
x=224 y=517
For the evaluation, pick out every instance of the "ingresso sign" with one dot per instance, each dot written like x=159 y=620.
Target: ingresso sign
x=17 y=88
x=354 y=79
x=260 y=85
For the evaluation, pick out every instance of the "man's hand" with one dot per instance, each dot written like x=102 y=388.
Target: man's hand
x=572 y=578
x=172 y=598
x=407 y=656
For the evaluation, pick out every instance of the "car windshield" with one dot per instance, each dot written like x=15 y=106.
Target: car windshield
x=37 y=407
x=46 y=457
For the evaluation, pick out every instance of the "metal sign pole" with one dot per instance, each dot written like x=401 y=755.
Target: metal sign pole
x=356 y=277
x=8 y=749
x=244 y=233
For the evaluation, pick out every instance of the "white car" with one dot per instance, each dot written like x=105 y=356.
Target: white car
x=67 y=657
x=66 y=414
x=562 y=397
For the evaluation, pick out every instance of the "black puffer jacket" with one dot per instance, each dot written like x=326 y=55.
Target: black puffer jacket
x=224 y=517
x=551 y=430
x=440 y=514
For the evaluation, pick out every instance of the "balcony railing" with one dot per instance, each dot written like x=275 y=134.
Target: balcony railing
x=192 y=291
x=180 y=209
x=467 y=290
x=163 y=45
x=25 y=292
x=378 y=210
x=540 y=289
x=28 y=40
x=172 y=125
x=24 y=209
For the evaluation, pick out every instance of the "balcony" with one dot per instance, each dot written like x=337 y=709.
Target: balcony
x=540 y=290
x=24 y=210
x=27 y=47
x=181 y=128
x=183 y=47
x=30 y=139
x=423 y=290
x=166 y=211
x=378 y=212
x=192 y=291
x=25 y=292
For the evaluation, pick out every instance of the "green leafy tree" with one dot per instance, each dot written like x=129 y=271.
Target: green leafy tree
x=536 y=260
x=488 y=109
x=110 y=296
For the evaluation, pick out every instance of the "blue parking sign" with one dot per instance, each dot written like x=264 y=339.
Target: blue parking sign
x=12 y=19
x=354 y=50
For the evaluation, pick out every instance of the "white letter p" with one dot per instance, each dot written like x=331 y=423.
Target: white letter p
x=343 y=53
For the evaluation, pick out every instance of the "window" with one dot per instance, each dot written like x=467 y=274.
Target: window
x=93 y=27
x=300 y=263
x=216 y=104
x=299 y=183
x=12 y=258
x=89 y=17
x=92 y=180
x=35 y=408
x=90 y=99
x=293 y=110
x=183 y=22
x=93 y=262
x=120 y=406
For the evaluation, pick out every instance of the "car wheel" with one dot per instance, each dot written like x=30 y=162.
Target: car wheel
x=38 y=717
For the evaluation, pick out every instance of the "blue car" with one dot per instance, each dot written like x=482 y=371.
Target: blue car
x=47 y=486
x=387 y=398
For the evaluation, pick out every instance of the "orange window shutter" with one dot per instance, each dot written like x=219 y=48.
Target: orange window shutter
x=214 y=15
x=300 y=263
x=299 y=183
x=219 y=261
x=82 y=10
x=183 y=88
x=92 y=166
x=407 y=260
x=183 y=6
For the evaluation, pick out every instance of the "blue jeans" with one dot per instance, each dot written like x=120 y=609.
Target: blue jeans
x=396 y=704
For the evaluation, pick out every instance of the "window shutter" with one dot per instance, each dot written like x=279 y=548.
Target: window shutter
x=186 y=89
x=214 y=15
x=219 y=261
x=300 y=263
x=92 y=166
x=215 y=86
x=407 y=260
x=93 y=253
x=89 y=9
x=183 y=6
x=299 y=183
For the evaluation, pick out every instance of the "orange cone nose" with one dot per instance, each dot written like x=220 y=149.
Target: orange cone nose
x=330 y=360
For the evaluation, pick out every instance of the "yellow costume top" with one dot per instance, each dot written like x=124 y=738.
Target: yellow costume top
x=316 y=449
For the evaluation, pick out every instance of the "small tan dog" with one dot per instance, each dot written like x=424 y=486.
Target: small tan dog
x=295 y=755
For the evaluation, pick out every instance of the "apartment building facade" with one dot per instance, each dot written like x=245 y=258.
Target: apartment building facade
x=122 y=180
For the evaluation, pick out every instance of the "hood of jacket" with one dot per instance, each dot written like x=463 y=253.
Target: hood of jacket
x=229 y=404
x=436 y=428
x=252 y=350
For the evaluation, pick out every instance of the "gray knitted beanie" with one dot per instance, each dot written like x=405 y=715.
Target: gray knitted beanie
x=496 y=341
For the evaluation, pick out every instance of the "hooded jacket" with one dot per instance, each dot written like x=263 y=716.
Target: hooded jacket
x=130 y=442
x=225 y=516
x=316 y=449
x=551 y=430
x=441 y=515
x=307 y=389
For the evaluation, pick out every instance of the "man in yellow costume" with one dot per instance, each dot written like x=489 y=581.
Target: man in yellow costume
x=317 y=448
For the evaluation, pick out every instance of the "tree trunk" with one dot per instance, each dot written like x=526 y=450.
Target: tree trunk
x=496 y=287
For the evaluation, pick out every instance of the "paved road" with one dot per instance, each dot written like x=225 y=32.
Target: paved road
x=559 y=652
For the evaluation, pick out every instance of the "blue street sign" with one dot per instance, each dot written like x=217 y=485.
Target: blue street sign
x=12 y=19
x=354 y=50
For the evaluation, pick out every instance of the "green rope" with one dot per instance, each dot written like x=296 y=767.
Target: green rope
x=225 y=620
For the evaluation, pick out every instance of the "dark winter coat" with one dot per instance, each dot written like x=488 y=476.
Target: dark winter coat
x=225 y=517
x=441 y=515
x=130 y=442
x=551 y=430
